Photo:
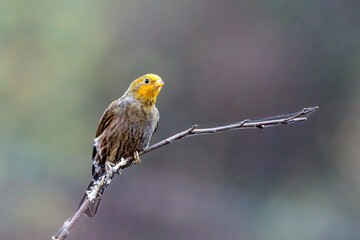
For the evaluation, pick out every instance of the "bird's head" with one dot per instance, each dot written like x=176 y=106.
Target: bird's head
x=146 y=88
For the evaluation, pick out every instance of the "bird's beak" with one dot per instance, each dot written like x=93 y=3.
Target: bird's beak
x=158 y=83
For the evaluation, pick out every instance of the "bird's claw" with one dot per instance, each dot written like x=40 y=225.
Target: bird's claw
x=136 y=158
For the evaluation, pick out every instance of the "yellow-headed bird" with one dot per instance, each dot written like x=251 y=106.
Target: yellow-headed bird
x=125 y=128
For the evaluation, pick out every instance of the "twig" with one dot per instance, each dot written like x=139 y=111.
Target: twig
x=105 y=180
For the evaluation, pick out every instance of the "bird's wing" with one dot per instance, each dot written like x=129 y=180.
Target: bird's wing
x=106 y=118
x=105 y=121
x=157 y=118
x=156 y=127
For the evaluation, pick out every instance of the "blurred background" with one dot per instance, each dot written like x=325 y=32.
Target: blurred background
x=63 y=62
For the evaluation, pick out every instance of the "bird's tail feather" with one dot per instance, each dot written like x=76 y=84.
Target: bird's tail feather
x=94 y=205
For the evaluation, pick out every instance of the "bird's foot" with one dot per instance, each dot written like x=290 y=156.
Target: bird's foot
x=136 y=158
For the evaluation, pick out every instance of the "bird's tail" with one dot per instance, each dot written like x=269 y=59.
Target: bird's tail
x=94 y=205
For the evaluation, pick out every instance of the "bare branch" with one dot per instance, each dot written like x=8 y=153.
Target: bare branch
x=267 y=122
x=104 y=181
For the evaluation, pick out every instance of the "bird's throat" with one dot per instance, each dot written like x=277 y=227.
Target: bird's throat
x=148 y=96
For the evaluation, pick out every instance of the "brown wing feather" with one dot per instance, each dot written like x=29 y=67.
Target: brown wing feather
x=106 y=118
x=104 y=122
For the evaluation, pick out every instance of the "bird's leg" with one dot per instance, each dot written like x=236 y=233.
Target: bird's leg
x=136 y=157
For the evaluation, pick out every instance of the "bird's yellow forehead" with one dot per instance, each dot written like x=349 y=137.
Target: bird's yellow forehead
x=151 y=76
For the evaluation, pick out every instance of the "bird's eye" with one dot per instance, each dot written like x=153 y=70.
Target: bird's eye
x=146 y=80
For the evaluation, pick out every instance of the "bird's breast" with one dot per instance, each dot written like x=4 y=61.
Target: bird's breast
x=131 y=131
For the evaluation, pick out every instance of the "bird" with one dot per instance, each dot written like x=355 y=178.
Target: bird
x=124 y=129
